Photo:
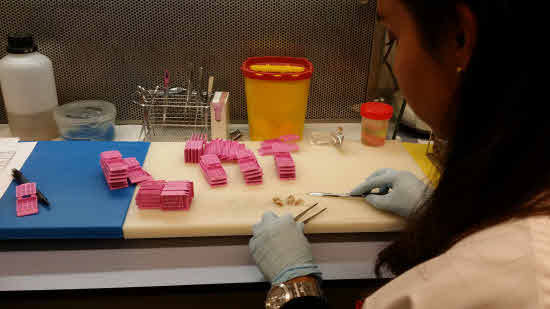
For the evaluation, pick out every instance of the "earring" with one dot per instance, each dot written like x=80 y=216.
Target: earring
x=458 y=69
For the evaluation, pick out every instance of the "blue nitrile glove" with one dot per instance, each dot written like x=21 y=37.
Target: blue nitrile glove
x=406 y=192
x=281 y=250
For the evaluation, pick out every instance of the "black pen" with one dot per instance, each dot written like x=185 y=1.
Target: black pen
x=20 y=179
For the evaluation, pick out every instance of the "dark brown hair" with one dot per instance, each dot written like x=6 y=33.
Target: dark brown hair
x=498 y=161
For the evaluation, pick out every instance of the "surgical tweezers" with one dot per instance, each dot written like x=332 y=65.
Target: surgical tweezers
x=306 y=221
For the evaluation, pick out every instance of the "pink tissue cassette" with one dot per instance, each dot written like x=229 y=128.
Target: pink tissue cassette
x=266 y=147
x=115 y=169
x=135 y=173
x=27 y=202
x=212 y=170
x=286 y=169
x=165 y=195
x=194 y=148
x=250 y=168
x=226 y=150
x=118 y=170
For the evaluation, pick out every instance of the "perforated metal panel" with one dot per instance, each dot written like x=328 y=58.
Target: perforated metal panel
x=103 y=49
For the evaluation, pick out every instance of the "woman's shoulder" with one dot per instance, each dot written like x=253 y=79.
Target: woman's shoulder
x=511 y=259
x=503 y=266
x=501 y=243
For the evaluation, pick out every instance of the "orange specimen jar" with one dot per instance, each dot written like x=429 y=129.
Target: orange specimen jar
x=374 y=123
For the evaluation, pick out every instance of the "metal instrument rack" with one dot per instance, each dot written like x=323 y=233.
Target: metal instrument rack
x=175 y=115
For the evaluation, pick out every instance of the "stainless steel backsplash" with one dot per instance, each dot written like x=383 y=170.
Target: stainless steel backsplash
x=103 y=49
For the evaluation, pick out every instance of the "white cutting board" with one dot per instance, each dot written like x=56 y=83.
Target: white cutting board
x=234 y=208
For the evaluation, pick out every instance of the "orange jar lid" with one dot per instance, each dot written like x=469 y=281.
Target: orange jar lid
x=376 y=110
x=277 y=68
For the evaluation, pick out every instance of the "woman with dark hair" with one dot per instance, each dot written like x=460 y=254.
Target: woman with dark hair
x=481 y=238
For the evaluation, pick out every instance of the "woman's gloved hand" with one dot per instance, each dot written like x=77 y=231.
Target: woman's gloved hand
x=280 y=249
x=406 y=191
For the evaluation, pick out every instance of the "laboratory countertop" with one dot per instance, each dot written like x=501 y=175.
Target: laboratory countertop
x=84 y=264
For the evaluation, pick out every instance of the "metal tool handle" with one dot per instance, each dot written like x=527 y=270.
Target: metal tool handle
x=306 y=221
x=323 y=194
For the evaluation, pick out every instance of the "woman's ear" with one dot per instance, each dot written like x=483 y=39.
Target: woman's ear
x=466 y=36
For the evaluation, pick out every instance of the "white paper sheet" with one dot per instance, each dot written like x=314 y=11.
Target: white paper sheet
x=8 y=148
x=22 y=152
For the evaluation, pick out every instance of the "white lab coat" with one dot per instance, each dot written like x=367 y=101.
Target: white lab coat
x=504 y=266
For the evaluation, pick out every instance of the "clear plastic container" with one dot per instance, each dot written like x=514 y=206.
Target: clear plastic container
x=90 y=120
x=374 y=123
x=335 y=138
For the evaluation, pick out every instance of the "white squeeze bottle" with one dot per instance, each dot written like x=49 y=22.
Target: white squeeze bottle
x=28 y=88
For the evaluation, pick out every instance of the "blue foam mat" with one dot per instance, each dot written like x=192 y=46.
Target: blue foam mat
x=82 y=206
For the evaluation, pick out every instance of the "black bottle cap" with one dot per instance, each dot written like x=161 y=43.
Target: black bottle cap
x=21 y=43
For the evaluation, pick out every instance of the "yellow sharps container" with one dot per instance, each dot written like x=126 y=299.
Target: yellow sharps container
x=277 y=91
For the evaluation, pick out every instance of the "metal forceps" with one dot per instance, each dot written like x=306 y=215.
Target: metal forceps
x=306 y=221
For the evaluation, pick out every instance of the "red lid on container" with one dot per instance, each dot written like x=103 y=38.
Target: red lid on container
x=277 y=61
x=376 y=110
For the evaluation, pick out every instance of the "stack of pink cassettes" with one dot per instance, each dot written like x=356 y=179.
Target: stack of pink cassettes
x=177 y=195
x=27 y=202
x=165 y=195
x=284 y=162
x=226 y=150
x=115 y=169
x=135 y=173
x=194 y=148
x=250 y=168
x=212 y=170
x=148 y=196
